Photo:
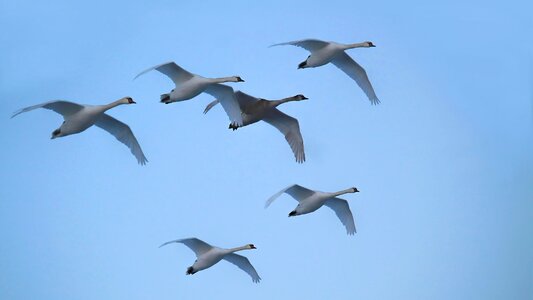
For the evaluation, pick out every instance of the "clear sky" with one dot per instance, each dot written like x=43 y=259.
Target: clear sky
x=444 y=164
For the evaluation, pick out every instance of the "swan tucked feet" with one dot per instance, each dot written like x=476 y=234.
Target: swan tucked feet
x=233 y=126
x=190 y=271
x=165 y=98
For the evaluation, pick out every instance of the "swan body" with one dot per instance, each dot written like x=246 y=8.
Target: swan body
x=323 y=52
x=207 y=256
x=78 y=117
x=310 y=200
x=256 y=109
x=189 y=85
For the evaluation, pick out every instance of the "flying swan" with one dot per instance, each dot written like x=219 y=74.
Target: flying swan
x=189 y=85
x=309 y=201
x=207 y=256
x=256 y=109
x=324 y=52
x=78 y=117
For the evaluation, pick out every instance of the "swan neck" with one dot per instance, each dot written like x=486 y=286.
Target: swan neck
x=342 y=192
x=113 y=104
x=223 y=79
x=231 y=250
x=284 y=100
x=356 y=45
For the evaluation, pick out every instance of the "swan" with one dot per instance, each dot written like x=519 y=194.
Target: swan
x=207 y=256
x=78 y=117
x=309 y=201
x=189 y=85
x=323 y=52
x=256 y=109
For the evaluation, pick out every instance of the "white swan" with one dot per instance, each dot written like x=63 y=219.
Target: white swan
x=255 y=109
x=189 y=85
x=324 y=52
x=309 y=201
x=78 y=117
x=207 y=256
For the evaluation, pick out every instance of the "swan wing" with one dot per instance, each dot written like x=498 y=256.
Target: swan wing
x=64 y=108
x=210 y=105
x=343 y=212
x=290 y=128
x=244 y=264
x=123 y=133
x=307 y=44
x=225 y=95
x=298 y=192
x=344 y=62
x=172 y=70
x=242 y=98
x=198 y=246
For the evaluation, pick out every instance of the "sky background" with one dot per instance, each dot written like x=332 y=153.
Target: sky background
x=444 y=164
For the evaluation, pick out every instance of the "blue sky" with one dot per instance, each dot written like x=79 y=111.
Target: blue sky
x=444 y=164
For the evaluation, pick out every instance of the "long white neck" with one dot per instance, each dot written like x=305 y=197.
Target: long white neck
x=224 y=79
x=342 y=192
x=356 y=45
x=113 y=104
x=231 y=250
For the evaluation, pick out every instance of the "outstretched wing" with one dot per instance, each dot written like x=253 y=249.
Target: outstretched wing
x=210 y=105
x=291 y=130
x=242 y=98
x=344 y=62
x=298 y=192
x=199 y=247
x=225 y=95
x=64 y=108
x=123 y=133
x=172 y=70
x=307 y=44
x=343 y=212
x=244 y=264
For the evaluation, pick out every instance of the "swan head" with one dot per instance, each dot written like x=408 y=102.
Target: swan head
x=251 y=246
x=300 y=97
x=238 y=79
x=370 y=44
x=127 y=100
x=355 y=190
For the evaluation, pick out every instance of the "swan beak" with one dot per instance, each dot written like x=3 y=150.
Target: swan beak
x=372 y=45
x=133 y=102
x=305 y=98
x=253 y=247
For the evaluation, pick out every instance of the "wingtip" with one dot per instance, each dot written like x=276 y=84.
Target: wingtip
x=374 y=101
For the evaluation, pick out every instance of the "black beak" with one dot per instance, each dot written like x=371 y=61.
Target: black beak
x=305 y=98
x=133 y=102
x=372 y=45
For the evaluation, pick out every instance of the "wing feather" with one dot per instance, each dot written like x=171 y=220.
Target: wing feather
x=123 y=133
x=244 y=264
x=344 y=62
x=343 y=212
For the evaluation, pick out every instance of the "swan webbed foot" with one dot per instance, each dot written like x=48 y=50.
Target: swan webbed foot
x=233 y=126
x=190 y=271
